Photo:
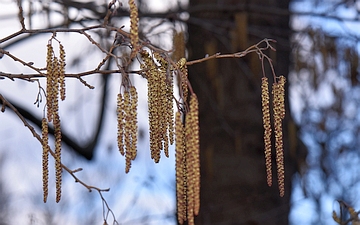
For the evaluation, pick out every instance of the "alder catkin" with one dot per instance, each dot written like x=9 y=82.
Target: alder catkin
x=121 y=123
x=277 y=108
x=62 y=72
x=58 y=166
x=134 y=23
x=133 y=122
x=192 y=159
x=49 y=81
x=183 y=77
x=267 y=127
x=45 y=158
x=128 y=127
x=180 y=168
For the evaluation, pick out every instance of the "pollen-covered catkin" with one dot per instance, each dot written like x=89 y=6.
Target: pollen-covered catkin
x=45 y=158
x=180 y=168
x=183 y=77
x=192 y=159
x=121 y=123
x=133 y=122
x=62 y=72
x=267 y=127
x=49 y=81
x=277 y=108
x=134 y=26
x=127 y=137
x=58 y=166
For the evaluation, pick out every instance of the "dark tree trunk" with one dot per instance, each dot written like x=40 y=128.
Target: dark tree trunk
x=233 y=180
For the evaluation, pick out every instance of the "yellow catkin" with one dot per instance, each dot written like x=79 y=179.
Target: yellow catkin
x=183 y=77
x=178 y=46
x=190 y=195
x=49 y=81
x=62 y=72
x=121 y=123
x=133 y=122
x=265 y=99
x=45 y=158
x=192 y=160
x=134 y=23
x=58 y=166
x=180 y=167
x=127 y=135
x=194 y=108
x=278 y=136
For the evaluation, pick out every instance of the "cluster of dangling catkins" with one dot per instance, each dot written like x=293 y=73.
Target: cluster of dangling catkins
x=127 y=125
x=278 y=97
x=55 y=89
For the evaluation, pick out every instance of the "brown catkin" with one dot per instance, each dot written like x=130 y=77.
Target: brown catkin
x=45 y=157
x=180 y=168
x=194 y=108
x=62 y=72
x=183 y=77
x=133 y=122
x=134 y=26
x=276 y=90
x=121 y=123
x=127 y=135
x=58 y=166
x=192 y=159
x=267 y=127
x=49 y=81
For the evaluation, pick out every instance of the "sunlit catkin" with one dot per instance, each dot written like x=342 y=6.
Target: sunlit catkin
x=277 y=108
x=62 y=72
x=183 y=78
x=121 y=123
x=127 y=135
x=192 y=159
x=45 y=158
x=58 y=166
x=134 y=23
x=180 y=168
x=133 y=121
x=49 y=81
x=267 y=127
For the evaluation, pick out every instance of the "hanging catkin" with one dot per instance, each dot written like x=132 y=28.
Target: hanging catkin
x=45 y=157
x=267 y=127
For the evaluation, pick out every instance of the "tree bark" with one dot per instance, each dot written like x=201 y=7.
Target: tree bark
x=233 y=179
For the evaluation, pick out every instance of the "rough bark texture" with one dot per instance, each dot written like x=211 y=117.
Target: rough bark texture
x=233 y=180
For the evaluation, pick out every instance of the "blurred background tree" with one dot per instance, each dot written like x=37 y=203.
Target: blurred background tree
x=317 y=50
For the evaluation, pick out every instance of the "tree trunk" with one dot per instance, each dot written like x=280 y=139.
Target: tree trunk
x=233 y=180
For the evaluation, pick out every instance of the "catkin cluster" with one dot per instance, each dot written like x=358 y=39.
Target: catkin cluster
x=188 y=163
x=278 y=105
x=55 y=89
x=134 y=26
x=127 y=125
x=160 y=94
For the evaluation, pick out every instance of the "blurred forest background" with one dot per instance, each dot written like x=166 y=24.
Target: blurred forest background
x=317 y=50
